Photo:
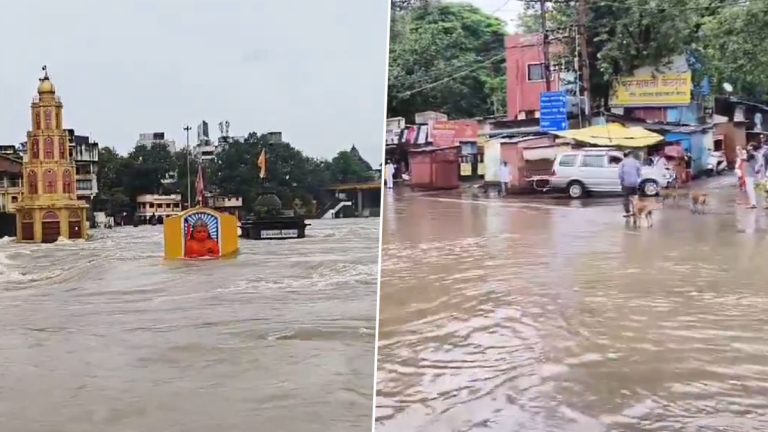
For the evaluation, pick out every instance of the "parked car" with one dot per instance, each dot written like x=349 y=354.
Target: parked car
x=580 y=172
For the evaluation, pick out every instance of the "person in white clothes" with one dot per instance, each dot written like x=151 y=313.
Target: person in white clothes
x=389 y=173
x=504 y=177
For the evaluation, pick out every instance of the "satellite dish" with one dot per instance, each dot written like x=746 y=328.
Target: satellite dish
x=727 y=87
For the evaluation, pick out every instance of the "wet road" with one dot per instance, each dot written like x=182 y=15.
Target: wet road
x=105 y=336
x=551 y=315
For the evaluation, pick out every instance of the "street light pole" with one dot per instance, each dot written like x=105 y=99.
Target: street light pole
x=187 y=128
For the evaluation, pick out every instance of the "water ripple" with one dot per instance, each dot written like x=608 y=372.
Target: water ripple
x=503 y=318
x=106 y=335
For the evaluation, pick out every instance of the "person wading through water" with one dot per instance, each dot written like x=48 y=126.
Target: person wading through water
x=630 y=173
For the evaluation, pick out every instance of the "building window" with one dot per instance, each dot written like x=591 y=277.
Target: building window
x=535 y=71
x=83 y=185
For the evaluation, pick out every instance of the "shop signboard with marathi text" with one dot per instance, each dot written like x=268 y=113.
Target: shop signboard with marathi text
x=451 y=132
x=667 y=89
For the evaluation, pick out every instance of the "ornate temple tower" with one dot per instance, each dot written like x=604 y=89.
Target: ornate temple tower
x=49 y=208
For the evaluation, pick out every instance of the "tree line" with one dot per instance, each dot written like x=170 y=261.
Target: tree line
x=154 y=169
x=449 y=56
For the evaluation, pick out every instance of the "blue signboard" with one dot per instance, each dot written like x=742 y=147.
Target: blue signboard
x=553 y=111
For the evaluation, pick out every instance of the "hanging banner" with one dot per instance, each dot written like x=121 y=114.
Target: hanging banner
x=443 y=133
x=451 y=132
x=661 y=89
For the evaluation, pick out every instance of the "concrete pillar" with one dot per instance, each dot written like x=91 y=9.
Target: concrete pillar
x=360 y=202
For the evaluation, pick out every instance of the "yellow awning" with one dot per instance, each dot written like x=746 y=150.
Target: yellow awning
x=613 y=135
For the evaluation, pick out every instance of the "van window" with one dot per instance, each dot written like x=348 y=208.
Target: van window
x=568 y=160
x=593 y=161
x=614 y=160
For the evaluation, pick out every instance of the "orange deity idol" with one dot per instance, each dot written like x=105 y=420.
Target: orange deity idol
x=200 y=233
x=199 y=243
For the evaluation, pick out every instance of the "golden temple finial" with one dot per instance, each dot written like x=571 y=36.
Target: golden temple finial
x=46 y=86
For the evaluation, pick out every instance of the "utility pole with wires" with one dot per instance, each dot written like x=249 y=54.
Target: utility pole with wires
x=187 y=128
x=582 y=38
x=545 y=45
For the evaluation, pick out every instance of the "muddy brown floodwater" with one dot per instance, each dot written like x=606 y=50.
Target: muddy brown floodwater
x=555 y=316
x=104 y=336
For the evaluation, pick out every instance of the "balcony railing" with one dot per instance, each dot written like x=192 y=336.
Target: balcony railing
x=10 y=184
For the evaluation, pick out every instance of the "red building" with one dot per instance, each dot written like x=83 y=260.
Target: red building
x=525 y=75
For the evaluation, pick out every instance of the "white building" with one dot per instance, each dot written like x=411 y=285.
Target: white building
x=158 y=205
x=84 y=152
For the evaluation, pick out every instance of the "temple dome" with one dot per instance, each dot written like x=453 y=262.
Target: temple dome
x=46 y=86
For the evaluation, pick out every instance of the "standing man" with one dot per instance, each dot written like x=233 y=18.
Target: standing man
x=504 y=177
x=630 y=173
x=389 y=173
x=752 y=172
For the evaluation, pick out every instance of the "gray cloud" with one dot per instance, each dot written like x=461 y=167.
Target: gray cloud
x=312 y=69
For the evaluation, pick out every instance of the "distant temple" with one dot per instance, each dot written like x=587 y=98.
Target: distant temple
x=49 y=208
x=356 y=153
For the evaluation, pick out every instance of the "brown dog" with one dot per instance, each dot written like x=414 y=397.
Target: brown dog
x=698 y=201
x=674 y=194
x=643 y=209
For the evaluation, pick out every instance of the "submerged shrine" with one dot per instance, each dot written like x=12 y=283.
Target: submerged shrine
x=49 y=207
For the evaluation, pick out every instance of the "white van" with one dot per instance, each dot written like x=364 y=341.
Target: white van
x=580 y=172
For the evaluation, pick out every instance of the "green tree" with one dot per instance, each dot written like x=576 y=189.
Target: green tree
x=623 y=36
x=447 y=57
x=732 y=52
x=234 y=171
x=112 y=172
x=149 y=166
x=347 y=168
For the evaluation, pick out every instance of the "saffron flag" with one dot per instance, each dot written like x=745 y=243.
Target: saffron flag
x=262 y=162
x=200 y=186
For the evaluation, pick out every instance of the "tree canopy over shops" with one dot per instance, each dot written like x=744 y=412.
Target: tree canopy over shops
x=449 y=57
x=432 y=46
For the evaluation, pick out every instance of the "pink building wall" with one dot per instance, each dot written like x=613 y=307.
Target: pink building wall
x=522 y=94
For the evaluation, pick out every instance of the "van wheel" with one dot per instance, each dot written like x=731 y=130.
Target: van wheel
x=576 y=189
x=649 y=188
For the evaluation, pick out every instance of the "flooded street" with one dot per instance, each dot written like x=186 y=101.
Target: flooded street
x=105 y=336
x=552 y=315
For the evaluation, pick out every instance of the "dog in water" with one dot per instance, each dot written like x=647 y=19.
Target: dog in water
x=643 y=209
x=673 y=194
x=698 y=201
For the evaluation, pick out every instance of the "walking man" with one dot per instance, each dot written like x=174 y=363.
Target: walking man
x=630 y=173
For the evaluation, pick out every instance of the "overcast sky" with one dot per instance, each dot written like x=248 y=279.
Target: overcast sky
x=313 y=69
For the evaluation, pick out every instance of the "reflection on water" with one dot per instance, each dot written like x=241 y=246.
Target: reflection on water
x=504 y=316
x=105 y=336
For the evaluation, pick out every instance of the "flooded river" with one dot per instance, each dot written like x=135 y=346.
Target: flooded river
x=555 y=316
x=105 y=336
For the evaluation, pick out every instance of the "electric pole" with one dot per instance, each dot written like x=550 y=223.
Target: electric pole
x=545 y=44
x=189 y=184
x=582 y=29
